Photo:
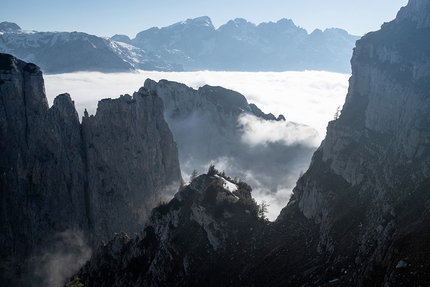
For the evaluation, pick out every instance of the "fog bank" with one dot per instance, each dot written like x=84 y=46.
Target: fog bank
x=309 y=97
x=304 y=98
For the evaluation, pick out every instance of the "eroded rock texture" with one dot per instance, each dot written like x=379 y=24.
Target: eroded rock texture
x=368 y=184
x=204 y=236
x=88 y=180
x=128 y=148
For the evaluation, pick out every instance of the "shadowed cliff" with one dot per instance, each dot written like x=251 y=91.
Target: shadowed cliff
x=59 y=177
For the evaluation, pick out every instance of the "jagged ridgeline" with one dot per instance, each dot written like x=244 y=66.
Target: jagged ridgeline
x=359 y=216
x=64 y=185
x=194 y=44
x=207 y=234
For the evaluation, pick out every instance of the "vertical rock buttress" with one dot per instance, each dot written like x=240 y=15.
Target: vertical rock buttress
x=367 y=186
x=57 y=175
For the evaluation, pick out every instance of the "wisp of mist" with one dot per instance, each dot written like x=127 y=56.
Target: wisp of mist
x=309 y=97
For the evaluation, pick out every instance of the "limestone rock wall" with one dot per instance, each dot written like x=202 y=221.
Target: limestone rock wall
x=41 y=165
x=204 y=236
x=367 y=186
x=56 y=175
x=132 y=161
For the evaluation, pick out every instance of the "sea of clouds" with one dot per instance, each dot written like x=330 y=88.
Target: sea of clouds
x=309 y=97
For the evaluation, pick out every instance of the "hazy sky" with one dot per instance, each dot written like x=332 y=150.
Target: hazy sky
x=109 y=17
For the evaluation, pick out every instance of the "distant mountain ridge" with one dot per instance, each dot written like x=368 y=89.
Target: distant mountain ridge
x=194 y=44
x=62 y=52
x=244 y=46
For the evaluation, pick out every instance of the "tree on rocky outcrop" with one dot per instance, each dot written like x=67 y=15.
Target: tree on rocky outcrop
x=262 y=210
x=212 y=170
x=182 y=185
x=75 y=282
x=337 y=113
x=193 y=175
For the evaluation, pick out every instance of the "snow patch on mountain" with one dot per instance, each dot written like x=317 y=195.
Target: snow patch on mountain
x=57 y=52
x=228 y=185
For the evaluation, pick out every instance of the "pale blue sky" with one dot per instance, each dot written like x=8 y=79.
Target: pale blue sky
x=109 y=17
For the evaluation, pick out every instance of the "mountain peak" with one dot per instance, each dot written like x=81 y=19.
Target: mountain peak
x=199 y=21
x=417 y=11
x=226 y=98
x=192 y=44
x=203 y=20
x=242 y=22
x=9 y=27
x=286 y=22
x=121 y=38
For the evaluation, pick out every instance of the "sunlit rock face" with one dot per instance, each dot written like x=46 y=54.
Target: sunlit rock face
x=367 y=186
x=59 y=176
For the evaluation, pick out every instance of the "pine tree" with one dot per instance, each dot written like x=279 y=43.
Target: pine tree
x=193 y=175
x=75 y=282
x=337 y=113
x=262 y=210
x=212 y=170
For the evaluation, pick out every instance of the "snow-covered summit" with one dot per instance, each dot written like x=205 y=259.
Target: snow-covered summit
x=240 y=45
x=199 y=21
x=192 y=44
x=59 y=52
x=121 y=38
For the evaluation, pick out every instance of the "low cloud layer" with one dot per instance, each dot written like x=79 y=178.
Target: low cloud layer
x=60 y=261
x=261 y=132
x=310 y=98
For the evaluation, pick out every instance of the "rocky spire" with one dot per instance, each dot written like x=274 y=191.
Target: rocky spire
x=366 y=182
x=9 y=26
x=59 y=177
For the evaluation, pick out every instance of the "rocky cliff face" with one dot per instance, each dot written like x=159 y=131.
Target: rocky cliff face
x=368 y=183
x=132 y=161
x=359 y=216
x=221 y=221
x=210 y=234
x=39 y=149
x=58 y=176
